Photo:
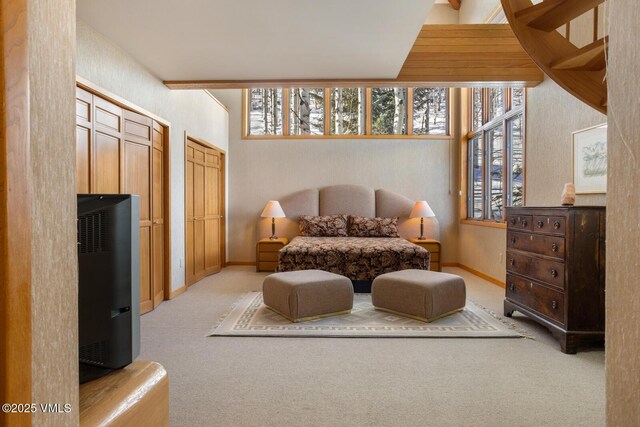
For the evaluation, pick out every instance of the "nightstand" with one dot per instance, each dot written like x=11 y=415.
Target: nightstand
x=434 y=248
x=267 y=253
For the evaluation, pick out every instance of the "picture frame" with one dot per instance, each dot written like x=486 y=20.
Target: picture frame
x=589 y=160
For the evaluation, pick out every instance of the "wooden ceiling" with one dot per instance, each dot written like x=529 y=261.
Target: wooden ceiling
x=442 y=55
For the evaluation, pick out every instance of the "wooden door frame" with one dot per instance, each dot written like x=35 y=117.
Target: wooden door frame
x=223 y=224
x=166 y=160
x=15 y=213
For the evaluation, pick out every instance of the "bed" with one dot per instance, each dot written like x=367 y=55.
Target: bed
x=358 y=258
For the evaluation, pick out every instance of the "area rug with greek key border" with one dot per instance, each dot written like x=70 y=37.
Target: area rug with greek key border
x=249 y=317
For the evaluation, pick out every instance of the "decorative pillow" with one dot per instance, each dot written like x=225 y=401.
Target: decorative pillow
x=323 y=226
x=360 y=226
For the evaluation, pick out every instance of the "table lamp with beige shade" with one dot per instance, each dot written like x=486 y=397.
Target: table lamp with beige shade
x=422 y=210
x=273 y=210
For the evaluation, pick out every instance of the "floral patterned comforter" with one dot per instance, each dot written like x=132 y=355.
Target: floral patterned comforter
x=358 y=258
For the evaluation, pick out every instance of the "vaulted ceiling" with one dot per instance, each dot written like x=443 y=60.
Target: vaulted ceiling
x=258 y=39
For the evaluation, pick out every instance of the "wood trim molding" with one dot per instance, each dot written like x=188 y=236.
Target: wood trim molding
x=476 y=272
x=15 y=214
x=175 y=293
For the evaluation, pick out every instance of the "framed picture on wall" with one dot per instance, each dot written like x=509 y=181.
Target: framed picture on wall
x=589 y=154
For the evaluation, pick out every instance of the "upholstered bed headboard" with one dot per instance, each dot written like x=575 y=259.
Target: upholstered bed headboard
x=351 y=200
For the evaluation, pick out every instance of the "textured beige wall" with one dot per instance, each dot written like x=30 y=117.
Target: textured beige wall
x=270 y=169
x=104 y=63
x=623 y=218
x=54 y=268
x=552 y=115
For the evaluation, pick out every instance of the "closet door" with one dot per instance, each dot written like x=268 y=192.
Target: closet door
x=157 y=215
x=213 y=215
x=199 y=196
x=84 y=129
x=189 y=215
x=137 y=166
x=106 y=149
x=203 y=211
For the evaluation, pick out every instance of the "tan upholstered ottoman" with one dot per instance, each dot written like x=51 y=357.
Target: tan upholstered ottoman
x=419 y=294
x=307 y=294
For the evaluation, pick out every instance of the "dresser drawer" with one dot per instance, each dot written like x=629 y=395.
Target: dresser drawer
x=549 y=224
x=520 y=222
x=547 y=271
x=548 y=302
x=268 y=256
x=551 y=246
x=270 y=247
x=267 y=266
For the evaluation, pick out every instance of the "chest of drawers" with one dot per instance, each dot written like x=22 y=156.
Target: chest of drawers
x=556 y=270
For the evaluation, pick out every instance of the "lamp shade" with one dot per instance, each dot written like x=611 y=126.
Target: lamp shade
x=422 y=210
x=273 y=210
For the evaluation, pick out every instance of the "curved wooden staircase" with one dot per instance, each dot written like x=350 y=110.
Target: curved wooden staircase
x=579 y=70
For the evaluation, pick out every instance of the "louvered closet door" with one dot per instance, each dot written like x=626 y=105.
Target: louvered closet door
x=119 y=151
x=203 y=212
x=84 y=130
x=137 y=161
x=198 y=212
x=106 y=147
x=157 y=215
x=213 y=215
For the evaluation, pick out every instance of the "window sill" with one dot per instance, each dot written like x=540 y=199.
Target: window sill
x=485 y=223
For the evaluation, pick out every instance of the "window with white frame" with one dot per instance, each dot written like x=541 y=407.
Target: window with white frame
x=495 y=152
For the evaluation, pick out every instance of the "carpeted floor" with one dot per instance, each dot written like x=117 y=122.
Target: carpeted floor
x=238 y=381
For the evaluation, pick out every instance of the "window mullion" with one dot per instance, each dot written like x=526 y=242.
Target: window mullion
x=286 y=104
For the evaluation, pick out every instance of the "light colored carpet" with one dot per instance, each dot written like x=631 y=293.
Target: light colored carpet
x=230 y=381
x=251 y=318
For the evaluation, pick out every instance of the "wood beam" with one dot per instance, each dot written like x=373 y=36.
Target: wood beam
x=443 y=55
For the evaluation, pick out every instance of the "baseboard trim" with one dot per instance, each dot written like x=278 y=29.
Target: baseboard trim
x=476 y=272
x=173 y=294
x=241 y=263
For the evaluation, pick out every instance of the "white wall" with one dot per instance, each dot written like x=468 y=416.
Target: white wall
x=476 y=11
x=102 y=62
x=270 y=169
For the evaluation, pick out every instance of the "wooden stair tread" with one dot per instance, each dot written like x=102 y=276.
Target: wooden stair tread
x=137 y=394
x=580 y=71
x=589 y=58
x=552 y=14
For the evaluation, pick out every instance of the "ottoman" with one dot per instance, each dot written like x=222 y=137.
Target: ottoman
x=420 y=294
x=307 y=294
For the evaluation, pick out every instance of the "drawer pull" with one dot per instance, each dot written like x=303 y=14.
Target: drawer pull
x=512 y=262
x=554 y=304
x=524 y=222
x=556 y=225
x=540 y=224
x=554 y=272
x=512 y=221
x=513 y=240
x=554 y=247
x=512 y=287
